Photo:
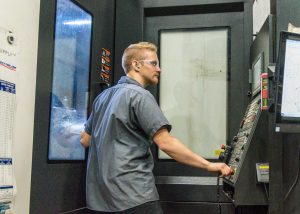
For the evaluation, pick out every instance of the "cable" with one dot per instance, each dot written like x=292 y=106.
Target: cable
x=266 y=191
x=218 y=195
x=267 y=194
x=296 y=180
x=73 y=210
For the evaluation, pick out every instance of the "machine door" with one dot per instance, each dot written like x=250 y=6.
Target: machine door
x=203 y=52
x=72 y=38
x=194 y=84
x=200 y=59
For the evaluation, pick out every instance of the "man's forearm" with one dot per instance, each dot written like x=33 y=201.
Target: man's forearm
x=182 y=154
x=178 y=151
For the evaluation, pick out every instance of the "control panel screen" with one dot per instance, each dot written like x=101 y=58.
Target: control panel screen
x=290 y=107
x=257 y=69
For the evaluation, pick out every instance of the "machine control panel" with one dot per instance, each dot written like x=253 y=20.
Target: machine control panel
x=241 y=141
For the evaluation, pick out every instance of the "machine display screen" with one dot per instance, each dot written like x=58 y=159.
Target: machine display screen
x=290 y=107
x=288 y=79
x=257 y=69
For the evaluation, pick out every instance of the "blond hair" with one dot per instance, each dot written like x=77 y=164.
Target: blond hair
x=136 y=52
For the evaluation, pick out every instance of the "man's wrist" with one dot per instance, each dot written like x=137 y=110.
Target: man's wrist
x=207 y=165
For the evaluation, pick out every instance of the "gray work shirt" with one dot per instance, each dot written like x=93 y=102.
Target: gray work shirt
x=122 y=124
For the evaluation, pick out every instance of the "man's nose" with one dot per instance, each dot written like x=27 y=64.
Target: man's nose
x=158 y=69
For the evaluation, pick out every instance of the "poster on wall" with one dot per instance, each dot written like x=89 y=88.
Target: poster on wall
x=8 y=68
x=8 y=55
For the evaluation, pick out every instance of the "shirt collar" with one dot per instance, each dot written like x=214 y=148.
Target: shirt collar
x=128 y=80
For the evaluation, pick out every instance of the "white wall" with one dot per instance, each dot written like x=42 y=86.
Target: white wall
x=22 y=17
x=261 y=10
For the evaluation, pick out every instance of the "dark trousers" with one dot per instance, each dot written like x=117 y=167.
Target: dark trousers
x=152 y=207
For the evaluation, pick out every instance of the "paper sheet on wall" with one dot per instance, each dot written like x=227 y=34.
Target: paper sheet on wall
x=8 y=68
x=7 y=102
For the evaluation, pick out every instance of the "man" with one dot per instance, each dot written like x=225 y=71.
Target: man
x=123 y=124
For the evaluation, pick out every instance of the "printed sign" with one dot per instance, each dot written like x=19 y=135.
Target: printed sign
x=105 y=66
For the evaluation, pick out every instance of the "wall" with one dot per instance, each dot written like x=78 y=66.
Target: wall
x=22 y=18
x=261 y=11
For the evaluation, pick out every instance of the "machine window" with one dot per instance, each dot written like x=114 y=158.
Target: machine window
x=70 y=83
x=193 y=87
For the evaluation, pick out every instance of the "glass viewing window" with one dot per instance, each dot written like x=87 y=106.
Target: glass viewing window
x=70 y=83
x=193 y=87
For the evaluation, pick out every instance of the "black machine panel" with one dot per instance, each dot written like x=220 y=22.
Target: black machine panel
x=250 y=150
x=242 y=141
x=247 y=152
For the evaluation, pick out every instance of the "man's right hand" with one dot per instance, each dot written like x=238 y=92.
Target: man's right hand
x=222 y=168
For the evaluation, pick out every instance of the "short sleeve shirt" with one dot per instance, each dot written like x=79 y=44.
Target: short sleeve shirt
x=122 y=124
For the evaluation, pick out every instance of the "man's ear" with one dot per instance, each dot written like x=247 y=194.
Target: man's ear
x=136 y=65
